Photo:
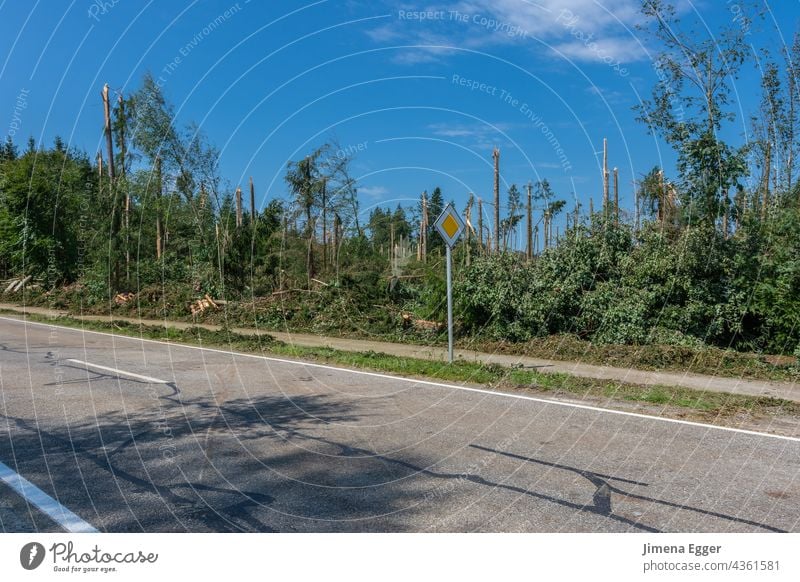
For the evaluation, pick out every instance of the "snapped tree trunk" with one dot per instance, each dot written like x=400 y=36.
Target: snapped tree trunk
x=496 y=156
x=310 y=252
x=159 y=238
x=529 y=246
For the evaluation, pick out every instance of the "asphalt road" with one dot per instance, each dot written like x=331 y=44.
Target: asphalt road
x=785 y=390
x=135 y=435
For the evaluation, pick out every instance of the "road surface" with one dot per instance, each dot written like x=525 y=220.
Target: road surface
x=110 y=433
x=785 y=390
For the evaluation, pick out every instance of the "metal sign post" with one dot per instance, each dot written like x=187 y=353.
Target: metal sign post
x=449 y=305
x=450 y=226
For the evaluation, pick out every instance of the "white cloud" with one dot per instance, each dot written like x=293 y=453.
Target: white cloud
x=477 y=136
x=373 y=191
x=608 y=50
x=583 y=30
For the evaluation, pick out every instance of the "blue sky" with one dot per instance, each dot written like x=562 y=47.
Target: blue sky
x=421 y=93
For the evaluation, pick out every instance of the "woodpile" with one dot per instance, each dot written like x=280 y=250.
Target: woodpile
x=15 y=285
x=203 y=304
x=123 y=298
x=410 y=322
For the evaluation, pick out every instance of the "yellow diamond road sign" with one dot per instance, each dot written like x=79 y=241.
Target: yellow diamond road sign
x=450 y=225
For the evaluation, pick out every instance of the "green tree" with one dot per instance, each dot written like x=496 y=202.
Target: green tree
x=306 y=182
x=40 y=213
x=509 y=224
x=690 y=102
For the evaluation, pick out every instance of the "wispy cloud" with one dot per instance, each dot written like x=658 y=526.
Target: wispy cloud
x=582 y=30
x=478 y=136
x=610 y=96
x=373 y=191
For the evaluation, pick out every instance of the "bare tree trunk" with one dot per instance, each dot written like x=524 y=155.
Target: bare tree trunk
x=123 y=152
x=662 y=199
x=122 y=155
x=310 y=251
x=496 y=157
x=391 y=247
x=100 y=171
x=424 y=228
x=109 y=142
x=252 y=202
x=529 y=246
x=468 y=214
x=480 y=227
x=115 y=211
x=159 y=248
x=577 y=217
x=238 y=207
x=324 y=221
x=616 y=197
x=605 y=179
x=546 y=229
x=336 y=241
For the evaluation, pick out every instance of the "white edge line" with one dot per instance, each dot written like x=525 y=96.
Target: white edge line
x=119 y=372
x=416 y=381
x=52 y=508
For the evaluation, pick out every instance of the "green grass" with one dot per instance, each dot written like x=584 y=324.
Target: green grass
x=675 y=400
x=696 y=359
x=706 y=360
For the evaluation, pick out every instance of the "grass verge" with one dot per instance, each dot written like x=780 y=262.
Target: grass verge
x=715 y=407
x=707 y=360
x=697 y=359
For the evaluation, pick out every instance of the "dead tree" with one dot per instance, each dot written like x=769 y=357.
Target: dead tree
x=116 y=211
x=577 y=216
x=109 y=141
x=470 y=230
x=122 y=155
x=159 y=243
x=252 y=201
x=100 y=171
x=616 y=197
x=336 y=237
x=324 y=220
x=605 y=179
x=546 y=228
x=496 y=157
x=238 y=207
x=529 y=246
x=424 y=227
x=765 y=182
x=480 y=227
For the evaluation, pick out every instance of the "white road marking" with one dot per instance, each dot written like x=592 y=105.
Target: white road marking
x=52 y=508
x=119 y=372
x=424 y=382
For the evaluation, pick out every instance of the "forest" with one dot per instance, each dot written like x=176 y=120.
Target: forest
x=708 y=256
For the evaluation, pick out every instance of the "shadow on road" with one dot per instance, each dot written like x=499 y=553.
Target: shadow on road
x=200 y=465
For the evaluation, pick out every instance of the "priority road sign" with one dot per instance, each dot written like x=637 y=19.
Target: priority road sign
x=450 y=225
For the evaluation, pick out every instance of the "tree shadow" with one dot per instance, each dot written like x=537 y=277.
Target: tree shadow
x=263 y=464
x=196 y=465
x=602 y=495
